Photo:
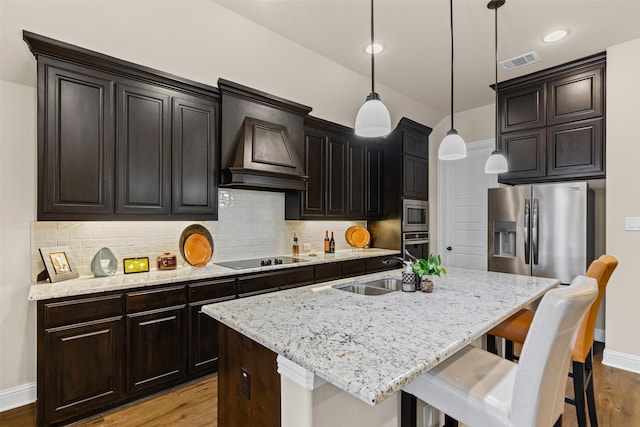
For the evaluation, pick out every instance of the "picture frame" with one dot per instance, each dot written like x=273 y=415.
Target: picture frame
x=58 y=264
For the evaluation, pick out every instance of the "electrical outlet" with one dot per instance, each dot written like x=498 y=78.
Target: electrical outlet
x=306 y=247
x=632 y=223
x=246 y=383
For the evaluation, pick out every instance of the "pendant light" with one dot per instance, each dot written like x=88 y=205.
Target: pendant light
x=496 y=163
x=373 y=119
x=452 y=146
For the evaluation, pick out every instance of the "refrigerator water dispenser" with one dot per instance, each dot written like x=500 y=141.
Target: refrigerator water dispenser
x=504 y=238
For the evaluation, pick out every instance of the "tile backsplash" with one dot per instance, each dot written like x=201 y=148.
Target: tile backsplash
x=250 y=225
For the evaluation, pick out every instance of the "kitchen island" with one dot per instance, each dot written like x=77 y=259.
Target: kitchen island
x=368 y=347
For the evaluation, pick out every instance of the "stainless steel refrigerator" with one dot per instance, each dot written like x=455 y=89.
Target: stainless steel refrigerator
x=544 y=230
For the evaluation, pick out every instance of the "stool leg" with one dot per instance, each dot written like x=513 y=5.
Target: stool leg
x=450 y=422
x=491 y=344
x=508 y=350
x=578 y=393
x=591 y=401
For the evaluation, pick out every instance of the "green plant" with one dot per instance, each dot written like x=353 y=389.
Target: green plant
x=432 y=265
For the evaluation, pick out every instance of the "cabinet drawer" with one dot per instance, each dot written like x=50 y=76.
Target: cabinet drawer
x=352 y=268
x=211 y=290
x=328 y=272
x=81 y=310
x=156 y=298
x=300 y=276
x=375 y=264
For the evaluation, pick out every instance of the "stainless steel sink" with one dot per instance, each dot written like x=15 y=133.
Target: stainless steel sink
x=375 y=287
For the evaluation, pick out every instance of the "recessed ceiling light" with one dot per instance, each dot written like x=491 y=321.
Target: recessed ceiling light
x=377 y=48
x=554 y=36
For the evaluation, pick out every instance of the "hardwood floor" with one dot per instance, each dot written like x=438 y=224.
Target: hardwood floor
x=195 y=405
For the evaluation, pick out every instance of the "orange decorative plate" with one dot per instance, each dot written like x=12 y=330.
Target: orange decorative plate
x=197 y=250
x=358 y=237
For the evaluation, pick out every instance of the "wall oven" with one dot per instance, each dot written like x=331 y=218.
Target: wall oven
x=416 y=244
x=415 y=215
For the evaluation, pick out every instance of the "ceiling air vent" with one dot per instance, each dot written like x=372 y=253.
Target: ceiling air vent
x=520 y=61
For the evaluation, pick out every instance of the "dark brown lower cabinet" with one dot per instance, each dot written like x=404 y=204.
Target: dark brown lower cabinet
x=96 y=352
x=156 y=348
x=248 y=382
x=84 y=368
x=80 y=364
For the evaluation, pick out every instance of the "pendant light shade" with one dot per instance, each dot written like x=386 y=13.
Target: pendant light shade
x=497 y=162
x=373 y=119
x=452 y=146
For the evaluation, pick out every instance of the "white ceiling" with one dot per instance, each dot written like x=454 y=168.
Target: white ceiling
x=416 y=36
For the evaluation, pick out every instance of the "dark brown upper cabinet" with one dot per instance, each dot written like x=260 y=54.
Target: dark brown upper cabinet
x=75 y=143
x=415 y=160
x=552 y=123
x=344 y=175
x=119 y=141
x=522 y=108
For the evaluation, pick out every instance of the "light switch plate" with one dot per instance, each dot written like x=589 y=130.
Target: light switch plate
x=632 y=223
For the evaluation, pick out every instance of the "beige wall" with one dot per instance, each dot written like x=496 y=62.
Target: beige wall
x=623 y=200
x=195 y=39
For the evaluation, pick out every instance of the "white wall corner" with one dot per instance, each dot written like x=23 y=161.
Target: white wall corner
x=598 y=335
x=615 y=359
x=296 y=373
x=17 y=396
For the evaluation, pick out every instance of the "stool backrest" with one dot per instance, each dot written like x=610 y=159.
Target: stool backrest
x=601 y=270
x=541 y=379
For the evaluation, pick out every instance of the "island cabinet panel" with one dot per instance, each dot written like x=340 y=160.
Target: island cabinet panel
x=75 y=143
x=156 y=338
x=80 y=368
x=248 y=382
x=552 y=123
x=203 y=329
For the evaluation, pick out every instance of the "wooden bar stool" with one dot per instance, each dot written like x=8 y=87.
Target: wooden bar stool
x=482 y=389
x=516 y=328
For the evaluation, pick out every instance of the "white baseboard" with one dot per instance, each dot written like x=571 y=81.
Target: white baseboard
x=598 y=335
x=619 y=360
x=15 y=397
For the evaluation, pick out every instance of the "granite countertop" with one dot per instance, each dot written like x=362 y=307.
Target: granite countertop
x=371 y=346
x=89 y=284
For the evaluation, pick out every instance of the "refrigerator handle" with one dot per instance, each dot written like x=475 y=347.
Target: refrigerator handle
x=527 y=245
x=534 y=231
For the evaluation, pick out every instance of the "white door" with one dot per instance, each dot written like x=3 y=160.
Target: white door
x=462 y=213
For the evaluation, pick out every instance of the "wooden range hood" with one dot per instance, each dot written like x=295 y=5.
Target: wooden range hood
x=262 y=140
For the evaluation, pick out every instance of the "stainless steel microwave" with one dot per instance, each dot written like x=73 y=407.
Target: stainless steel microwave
x=415 y=215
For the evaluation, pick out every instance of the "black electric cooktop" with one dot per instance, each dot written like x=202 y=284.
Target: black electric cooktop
x=260 y=262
